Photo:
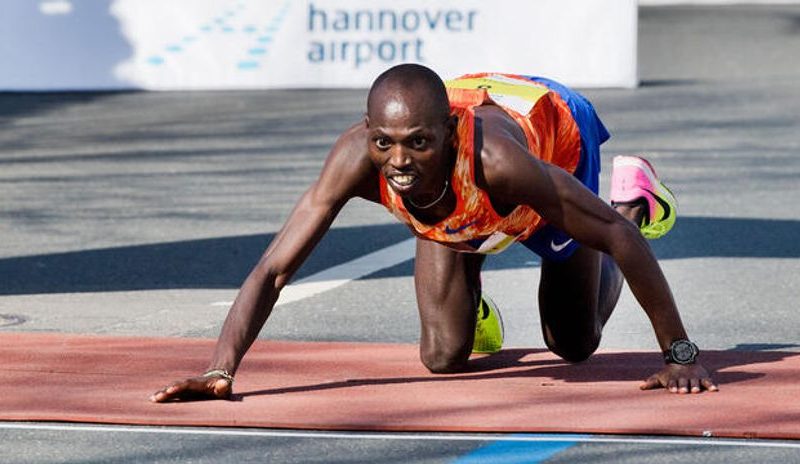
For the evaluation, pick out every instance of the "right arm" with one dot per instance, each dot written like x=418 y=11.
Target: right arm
x=347 y=173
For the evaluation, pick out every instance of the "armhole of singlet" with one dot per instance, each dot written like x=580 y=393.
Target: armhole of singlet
x=477 y=145
x=477 y=149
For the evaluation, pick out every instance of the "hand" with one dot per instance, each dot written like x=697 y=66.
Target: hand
x=677 y=378
x=209 y=388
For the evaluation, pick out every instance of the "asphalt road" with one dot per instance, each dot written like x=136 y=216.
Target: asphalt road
x=159 y=203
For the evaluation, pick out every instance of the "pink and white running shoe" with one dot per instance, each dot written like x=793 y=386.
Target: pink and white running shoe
x=633 y=180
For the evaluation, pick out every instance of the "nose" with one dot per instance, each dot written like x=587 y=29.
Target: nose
x=399 y=157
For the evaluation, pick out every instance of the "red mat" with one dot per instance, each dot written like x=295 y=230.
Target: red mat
x=357 y=386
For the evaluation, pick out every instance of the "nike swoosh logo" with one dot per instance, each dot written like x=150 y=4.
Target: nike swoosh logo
x=661 y=202
x=449 y=231
x=558 y=247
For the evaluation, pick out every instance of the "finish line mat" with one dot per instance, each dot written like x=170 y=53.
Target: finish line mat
x=384 y=387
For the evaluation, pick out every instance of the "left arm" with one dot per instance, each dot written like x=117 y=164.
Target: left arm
x=518 y=178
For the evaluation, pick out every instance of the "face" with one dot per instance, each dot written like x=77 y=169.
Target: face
x=411 y=149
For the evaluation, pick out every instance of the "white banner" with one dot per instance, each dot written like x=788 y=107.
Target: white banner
x=228 y=44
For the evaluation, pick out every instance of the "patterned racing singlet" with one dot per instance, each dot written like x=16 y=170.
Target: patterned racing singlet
x=551 y=134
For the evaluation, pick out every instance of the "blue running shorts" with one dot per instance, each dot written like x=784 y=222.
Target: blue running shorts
x=549 y=242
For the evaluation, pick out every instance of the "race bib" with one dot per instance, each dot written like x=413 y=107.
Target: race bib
x=517 y=94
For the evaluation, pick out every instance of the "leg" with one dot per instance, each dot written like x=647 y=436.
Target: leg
x=448 y=291
x=576 y=298
x=578 y=295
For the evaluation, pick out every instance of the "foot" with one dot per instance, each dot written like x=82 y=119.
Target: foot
x=489 y=331
x=634 y=212
x=637 y=193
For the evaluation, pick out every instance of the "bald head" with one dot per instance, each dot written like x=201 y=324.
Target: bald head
x=412 y=86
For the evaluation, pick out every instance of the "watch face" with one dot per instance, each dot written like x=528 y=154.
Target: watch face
x=684 y=352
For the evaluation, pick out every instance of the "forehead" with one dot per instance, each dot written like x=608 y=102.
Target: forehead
x=397 y=111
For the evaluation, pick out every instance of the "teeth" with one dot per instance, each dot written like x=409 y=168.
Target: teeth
x=403 y=180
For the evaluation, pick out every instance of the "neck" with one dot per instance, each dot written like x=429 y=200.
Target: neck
x=434 y=202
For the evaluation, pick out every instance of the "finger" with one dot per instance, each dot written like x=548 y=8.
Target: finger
x=672 y=385
x=683 y=385
x=159 y=396
x=176 y=390
x=650 y=383
x=694 y=385
x=709 y=384
x=168 y=392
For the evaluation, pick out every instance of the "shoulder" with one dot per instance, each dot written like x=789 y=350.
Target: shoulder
x=348 y=170
x=497 y=130
x=504 y=152
x=352 y=141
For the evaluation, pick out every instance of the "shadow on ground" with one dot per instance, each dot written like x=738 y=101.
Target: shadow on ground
x=224 y=262
x=728 y=367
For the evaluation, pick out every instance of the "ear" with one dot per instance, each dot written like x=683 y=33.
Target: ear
x=452 y=127
x=366 y=121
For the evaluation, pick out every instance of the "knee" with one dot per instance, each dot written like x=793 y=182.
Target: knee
x=445 y=361
x=573 y=342
x=574 y=351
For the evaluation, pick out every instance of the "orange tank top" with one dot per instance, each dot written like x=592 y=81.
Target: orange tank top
x=552 y=136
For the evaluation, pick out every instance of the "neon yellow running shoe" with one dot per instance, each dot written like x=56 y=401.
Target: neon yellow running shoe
x=633 y=179
x=489 y=328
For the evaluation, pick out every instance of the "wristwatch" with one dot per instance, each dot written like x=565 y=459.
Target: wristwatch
x=681 y=352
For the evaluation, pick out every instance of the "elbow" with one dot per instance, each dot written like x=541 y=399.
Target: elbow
x=279 y=279
x=270 y=276
x=625 y=238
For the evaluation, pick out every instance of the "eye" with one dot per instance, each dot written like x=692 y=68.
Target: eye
x=419 y=143
x=382 y=143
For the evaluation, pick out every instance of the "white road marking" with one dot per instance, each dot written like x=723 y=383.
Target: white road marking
x=56 y=7
x=400 y=435
x=337 y=276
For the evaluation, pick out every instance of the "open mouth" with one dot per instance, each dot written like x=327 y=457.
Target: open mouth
x=402 y=182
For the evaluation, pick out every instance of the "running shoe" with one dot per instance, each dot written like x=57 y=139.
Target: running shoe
x=633 y=180
x=489 y=328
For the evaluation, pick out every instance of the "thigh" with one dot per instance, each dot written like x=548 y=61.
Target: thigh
x=448 y=288
x=569 y=294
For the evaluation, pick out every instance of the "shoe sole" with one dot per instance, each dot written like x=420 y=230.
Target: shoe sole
x=493 y=306
x=659 y=228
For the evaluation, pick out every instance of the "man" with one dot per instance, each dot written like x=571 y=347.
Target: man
x=471 y=168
